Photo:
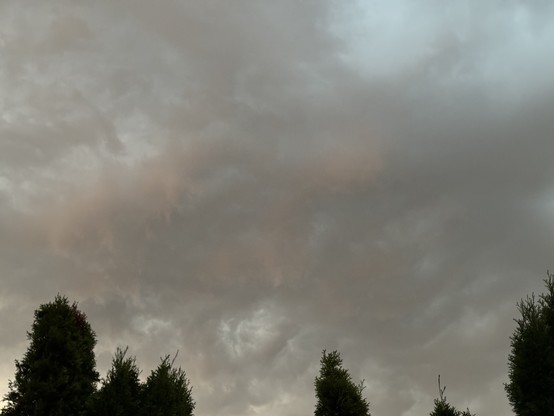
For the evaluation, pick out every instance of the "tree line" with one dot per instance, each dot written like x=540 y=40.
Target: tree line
x=57 y=375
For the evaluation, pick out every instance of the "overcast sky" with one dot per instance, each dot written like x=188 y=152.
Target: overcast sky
x=250 y=182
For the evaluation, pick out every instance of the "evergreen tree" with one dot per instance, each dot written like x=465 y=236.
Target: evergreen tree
x=121 y=389
x=336 y=393
x=57 y=375
x=531 y=360
x=443 y=408
x=167 y=392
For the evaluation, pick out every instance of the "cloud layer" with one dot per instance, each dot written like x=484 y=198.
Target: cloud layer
x=251 y=183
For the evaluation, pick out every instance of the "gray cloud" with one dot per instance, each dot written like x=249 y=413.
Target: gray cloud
x=251 y=183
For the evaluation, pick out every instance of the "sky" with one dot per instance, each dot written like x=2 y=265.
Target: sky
x=251 y=182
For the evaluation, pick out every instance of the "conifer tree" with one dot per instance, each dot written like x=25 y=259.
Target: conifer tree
x=336 y=393
x=57 y=374
x=167 y=392
x=121 y=389
x=531 y=360
x=443 y=408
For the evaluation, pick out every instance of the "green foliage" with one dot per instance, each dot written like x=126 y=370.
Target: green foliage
x=167 y=392
x=531 y=360
x=121 y=389
x=57 y=375
x=336 y=393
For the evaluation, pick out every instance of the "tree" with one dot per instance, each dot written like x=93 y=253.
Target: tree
x=336 y=393
x=121 y=389
x=531 y=360
x=167 y=392
x=443 y=408
x=57 y=375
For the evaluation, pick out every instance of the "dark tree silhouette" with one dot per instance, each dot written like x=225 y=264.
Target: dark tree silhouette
x=336 y=393
x=167 y=392
x=443 y=408
x=121 y=389
x=57 y=375
x=531 y=360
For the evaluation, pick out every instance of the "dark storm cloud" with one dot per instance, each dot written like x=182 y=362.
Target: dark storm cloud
x=250 y=183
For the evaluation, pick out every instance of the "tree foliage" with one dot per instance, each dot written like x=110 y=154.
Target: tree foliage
x=336 y=393
x=57 y=374
x=443 y=408
x=121 y=389
x=531 y=360
x=167 y=392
